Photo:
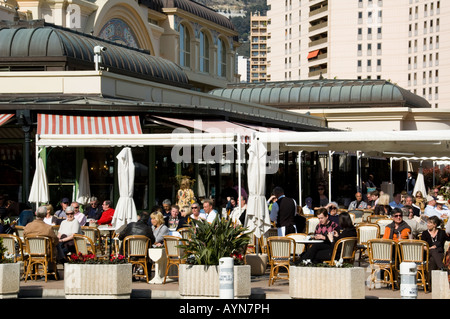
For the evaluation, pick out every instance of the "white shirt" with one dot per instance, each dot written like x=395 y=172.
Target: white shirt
x=210 y=217
x=81 y=218
x=48 y=220
x=70 y=227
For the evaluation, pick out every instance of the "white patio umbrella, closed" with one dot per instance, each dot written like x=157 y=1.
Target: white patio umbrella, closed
x=39 y=188
x=84 y=188
x=125 y=209
x=420 y=184
x=258 y=219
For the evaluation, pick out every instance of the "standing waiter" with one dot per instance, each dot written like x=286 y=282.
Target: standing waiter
x=283 y=211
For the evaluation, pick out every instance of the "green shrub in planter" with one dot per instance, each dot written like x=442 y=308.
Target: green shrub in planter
x=211 y=241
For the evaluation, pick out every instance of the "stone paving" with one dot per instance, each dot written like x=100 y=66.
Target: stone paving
x=140 y=289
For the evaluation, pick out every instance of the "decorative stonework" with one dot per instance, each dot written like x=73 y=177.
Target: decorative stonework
x=118 y=31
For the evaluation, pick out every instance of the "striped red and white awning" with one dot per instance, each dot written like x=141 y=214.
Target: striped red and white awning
x=68 y=124
x=5 y=118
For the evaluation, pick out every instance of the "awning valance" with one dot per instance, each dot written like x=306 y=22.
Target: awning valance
x=5 y=118
x=88 y=125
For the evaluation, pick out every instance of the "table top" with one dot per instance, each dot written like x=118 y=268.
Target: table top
x=106 y=227
x=308 y=241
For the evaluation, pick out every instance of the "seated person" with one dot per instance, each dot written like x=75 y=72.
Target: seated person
x=325 y=225
x=39 y=228
x=320 y=252
x=94 y=211
x=159 y=228
x=138 y=228
x=68 y=227
x=398 y=229
x=107 y=215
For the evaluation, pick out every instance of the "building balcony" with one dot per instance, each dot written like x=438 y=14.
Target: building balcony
x=317 y=42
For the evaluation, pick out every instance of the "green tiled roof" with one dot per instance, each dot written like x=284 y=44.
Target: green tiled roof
x=323 y=93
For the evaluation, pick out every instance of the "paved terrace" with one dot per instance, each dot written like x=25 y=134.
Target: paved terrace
x=54 y=289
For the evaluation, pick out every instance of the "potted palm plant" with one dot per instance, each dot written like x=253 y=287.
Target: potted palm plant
x=209 y=242
x=86 y=276
x=9 y=274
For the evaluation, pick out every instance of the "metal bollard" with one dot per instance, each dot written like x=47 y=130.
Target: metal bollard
x=408 y=282
x=226 y=278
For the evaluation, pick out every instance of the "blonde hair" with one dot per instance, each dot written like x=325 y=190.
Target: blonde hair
x=158 y=216
x=187 y=210
x=384 y=199
x=50 y=209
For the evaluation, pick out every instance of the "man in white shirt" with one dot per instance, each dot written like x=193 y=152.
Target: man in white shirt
x=210 y=212
x=430 y=209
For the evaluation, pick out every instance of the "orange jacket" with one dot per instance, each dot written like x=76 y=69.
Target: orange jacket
x=404 y=232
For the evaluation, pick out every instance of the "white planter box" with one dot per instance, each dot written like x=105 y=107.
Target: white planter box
x=9 y=280
x=97 y=281
x=440 y=285
x=203 y=281
x=327 y=283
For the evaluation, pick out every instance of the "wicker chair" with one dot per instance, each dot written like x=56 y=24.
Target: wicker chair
x=136 y=248
x=383 y=222
x=14 y=247
x=346 y=248
x=279 y=251
x=40 y=253
x=94 y=234
x=365 y=232
x=311 y=223
x=173 y=253
x=382 y=258
x=416 y=251
x=83 y=244
x=273 y=231
x=298 y=248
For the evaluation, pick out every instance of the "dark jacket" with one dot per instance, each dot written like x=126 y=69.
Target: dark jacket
x=137 y=228
x=286 y=214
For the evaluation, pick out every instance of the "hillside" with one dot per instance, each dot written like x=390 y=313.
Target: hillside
x=242 y=24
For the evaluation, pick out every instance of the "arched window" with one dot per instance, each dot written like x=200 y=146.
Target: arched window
x=204 y=52
x=185 y=46
x=221 y=59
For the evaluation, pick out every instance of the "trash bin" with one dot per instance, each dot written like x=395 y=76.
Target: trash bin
x=408 y=281
x=226 y=278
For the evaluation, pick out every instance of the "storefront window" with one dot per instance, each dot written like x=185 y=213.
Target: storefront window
x=11 y=171
x=61 y=169
x=101 y=172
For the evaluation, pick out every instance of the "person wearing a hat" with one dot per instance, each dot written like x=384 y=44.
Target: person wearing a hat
x=332 y=208
x=61 y=214
x=308 y=209
x=441 y=209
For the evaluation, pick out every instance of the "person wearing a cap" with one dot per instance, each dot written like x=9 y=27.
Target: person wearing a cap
x=61 y=214
x=308 y=209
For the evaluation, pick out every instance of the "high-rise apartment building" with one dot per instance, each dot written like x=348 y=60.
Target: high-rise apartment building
x=404 y=41
x=258 y=48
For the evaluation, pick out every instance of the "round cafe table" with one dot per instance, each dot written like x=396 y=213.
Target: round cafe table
x=158 y=256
